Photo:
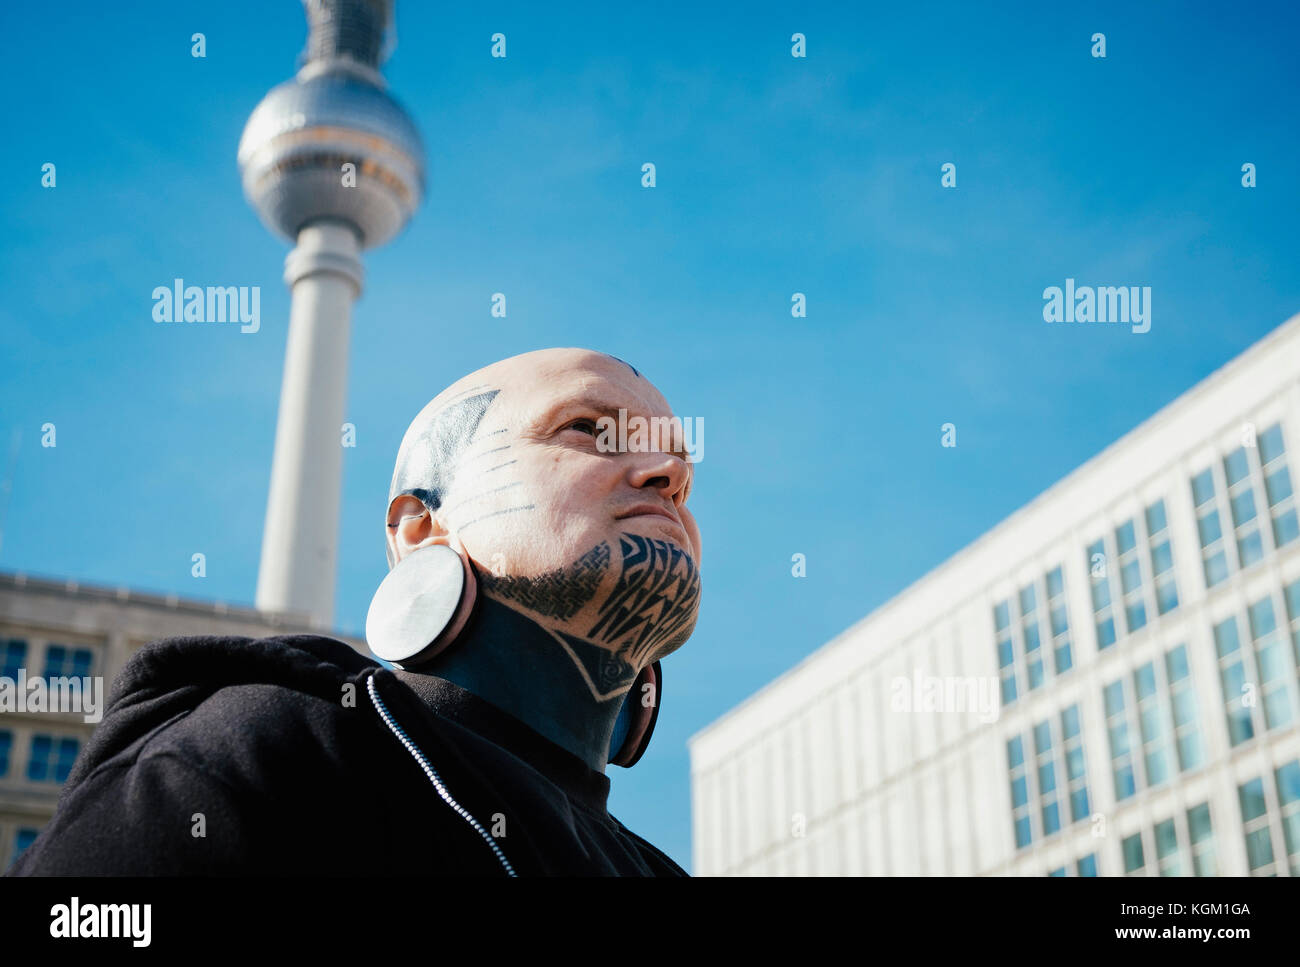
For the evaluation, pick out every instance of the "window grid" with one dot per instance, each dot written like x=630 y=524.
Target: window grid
x=1123 y=764
x=1200 y=834
x=51 y=758
x=1230 y=490
x=1277 y=486
x=1103 y=616
x=1036 y=809
x=1168 y=860
x=1233 y=676
x=1029 y=634
x=1132 y=854
x=1152 y=717
x=1292 y=595
x=1019 y=792
x=1045 y=770
x=1130 y=576
x=1083 y=866
x=1161 y=557
x=1243 y=508
x=1059 y=618
x=1254 y=823
x=1006 y=651
x=1273 y=663
x=1182 y=701
x=68 y=661
x=1288 y=798
x=1209 y=529
x=13 y=654
x=1023 y=659
x=1076 y=773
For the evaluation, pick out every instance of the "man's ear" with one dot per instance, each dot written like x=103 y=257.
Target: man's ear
x=411 y=525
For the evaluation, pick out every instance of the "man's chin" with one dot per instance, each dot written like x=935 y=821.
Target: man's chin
x=659 y=528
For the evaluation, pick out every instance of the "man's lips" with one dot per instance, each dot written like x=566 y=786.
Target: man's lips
x=649 y=510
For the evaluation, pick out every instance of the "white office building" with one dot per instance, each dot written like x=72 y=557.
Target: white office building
x=1104 y=684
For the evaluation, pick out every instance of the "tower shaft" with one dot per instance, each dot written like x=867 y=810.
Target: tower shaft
x=300 y=541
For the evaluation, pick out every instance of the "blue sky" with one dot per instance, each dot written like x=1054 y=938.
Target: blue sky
x=775 y=175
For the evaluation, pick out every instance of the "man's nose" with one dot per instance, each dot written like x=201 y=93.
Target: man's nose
x=658 y=470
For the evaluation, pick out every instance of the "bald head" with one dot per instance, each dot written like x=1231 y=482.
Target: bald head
x=504 y=465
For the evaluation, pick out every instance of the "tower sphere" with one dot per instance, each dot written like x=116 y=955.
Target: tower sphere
x=297 y=141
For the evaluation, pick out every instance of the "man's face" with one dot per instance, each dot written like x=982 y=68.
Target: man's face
x=594 y=542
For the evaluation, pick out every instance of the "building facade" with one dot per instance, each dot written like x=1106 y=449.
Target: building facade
x=56 y=629
x=1104 y=684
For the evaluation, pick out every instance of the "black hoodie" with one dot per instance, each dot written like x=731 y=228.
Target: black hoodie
x=297 y=755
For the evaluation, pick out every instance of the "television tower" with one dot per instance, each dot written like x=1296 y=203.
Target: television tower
x=332 y=163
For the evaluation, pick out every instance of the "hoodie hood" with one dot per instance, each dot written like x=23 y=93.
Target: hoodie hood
x=166 y=679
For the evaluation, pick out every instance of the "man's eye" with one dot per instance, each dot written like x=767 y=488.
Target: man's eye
x=583 y=426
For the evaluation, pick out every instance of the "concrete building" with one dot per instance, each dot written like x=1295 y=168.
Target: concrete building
x=59 y=628
x=1104 y=684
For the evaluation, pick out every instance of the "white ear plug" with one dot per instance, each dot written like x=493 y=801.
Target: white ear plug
x=421 y=606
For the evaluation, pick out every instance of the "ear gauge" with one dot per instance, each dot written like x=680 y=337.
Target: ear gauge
x=422 y=606
x=640 y=717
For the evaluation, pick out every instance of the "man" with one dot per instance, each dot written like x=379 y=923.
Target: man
x=485 y=753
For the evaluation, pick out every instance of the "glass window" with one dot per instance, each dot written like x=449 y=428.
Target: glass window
x=1183 y=701
x=1278 y=486
x=1125 y=537
x=1087 y=866
x=6 y=744
x=1254 y=817
x=1132 y=848
x=1166 y=596
x=1027 y=600
x=1055 y=583
x=1225 y=637
x=1235 y=466
x=1286 y=527
x=13 y=654
x=51 y=758
x=1070 y=721
x=1002 y=615
x=1270 y=444
x=1059 y=623
x=1209 y=528
x=1167 y=849
x=1203 y=487
x=1216 y=568
x=1201 y=836
x=1243 y=507
x=23 y=838
x=62 y=660
x=1059 y=871
x=1250 y=548
x=1106 y=633
x=1005 y=655
x=1288 y=797
x=1162 y=558
x=1075 y=772
x=1156 y=521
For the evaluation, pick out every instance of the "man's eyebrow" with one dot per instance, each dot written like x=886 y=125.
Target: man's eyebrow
x=601 y=404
